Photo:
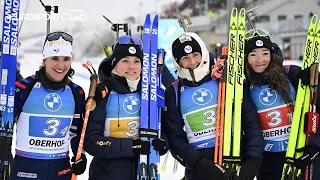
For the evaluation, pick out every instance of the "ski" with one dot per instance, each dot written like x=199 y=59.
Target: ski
x=10 y=31
x=152 y=99
x=153 y=110
x=297 y=138
x=234 y=90
x=104 y=49
x=144 y=111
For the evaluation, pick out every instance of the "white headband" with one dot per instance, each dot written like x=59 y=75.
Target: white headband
x=59 y=47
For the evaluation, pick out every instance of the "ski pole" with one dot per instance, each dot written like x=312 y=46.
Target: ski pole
x=92 y=89
x=94 y=81
x=105 y=51
x=223 y=99
x=164 y=164
x=312 y=118
x=216 y=73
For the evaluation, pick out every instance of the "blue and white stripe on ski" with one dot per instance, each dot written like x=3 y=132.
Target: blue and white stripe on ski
x=9 y=57
x=154 y=155
x=144 y=111
x=10 y=31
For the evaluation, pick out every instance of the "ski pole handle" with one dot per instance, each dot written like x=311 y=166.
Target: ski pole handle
x=92 y=89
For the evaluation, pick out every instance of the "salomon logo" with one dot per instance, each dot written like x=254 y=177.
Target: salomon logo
x=148 y=133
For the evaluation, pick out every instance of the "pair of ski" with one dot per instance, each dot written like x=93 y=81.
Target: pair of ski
x=228 y=123
x=152 y=99
x=10 y=33
x=304 y=126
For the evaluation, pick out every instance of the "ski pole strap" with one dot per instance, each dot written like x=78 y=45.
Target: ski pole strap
x=231 y=164
x=290 y=161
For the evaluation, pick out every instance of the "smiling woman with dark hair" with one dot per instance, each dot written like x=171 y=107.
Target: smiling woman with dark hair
x=190 y=118
x=47 y=109
x=273 y=89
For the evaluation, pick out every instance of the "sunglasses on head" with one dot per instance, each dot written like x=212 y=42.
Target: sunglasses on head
x=258 y=32
x=56 y=36
x=128 y=39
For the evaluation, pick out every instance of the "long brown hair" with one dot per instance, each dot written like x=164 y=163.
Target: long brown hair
x=276 y=77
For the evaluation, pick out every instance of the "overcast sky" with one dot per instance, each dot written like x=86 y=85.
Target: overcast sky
x=92 y=11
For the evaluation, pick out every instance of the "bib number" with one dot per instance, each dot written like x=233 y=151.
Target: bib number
x=134 y=127
x=210 y=117
x=276 y=119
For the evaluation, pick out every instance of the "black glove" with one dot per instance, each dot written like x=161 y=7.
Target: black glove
x=140 y=147
x=209 y=170
x=160 y=145
x=304 y=75
x=250 y=167
x=309 y=156
x=79 y=166
x=101 y=91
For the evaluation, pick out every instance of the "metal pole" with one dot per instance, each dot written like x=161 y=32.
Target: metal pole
x=48 y=9
x=48 y=22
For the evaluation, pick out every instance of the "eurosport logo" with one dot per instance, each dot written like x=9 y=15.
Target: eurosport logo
x=69 y=15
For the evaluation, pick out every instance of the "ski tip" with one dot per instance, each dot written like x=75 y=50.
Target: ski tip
x=314 y=19
x=234 y=12
x=148 y=17
x=242 y=12
x=155 y=21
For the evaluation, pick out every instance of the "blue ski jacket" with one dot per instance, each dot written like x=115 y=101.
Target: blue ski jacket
x=113 y=156
x=252 y=139
x=47 y=168
x=272 y=165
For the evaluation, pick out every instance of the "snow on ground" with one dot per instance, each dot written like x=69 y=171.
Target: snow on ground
x=31 y=62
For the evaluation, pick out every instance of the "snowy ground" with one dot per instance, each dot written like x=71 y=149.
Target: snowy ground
x=32 y=61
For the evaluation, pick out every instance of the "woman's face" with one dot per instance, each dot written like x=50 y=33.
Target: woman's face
x=129 y=67
x=190 y=61
x=57 y=67
x=259 y=59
